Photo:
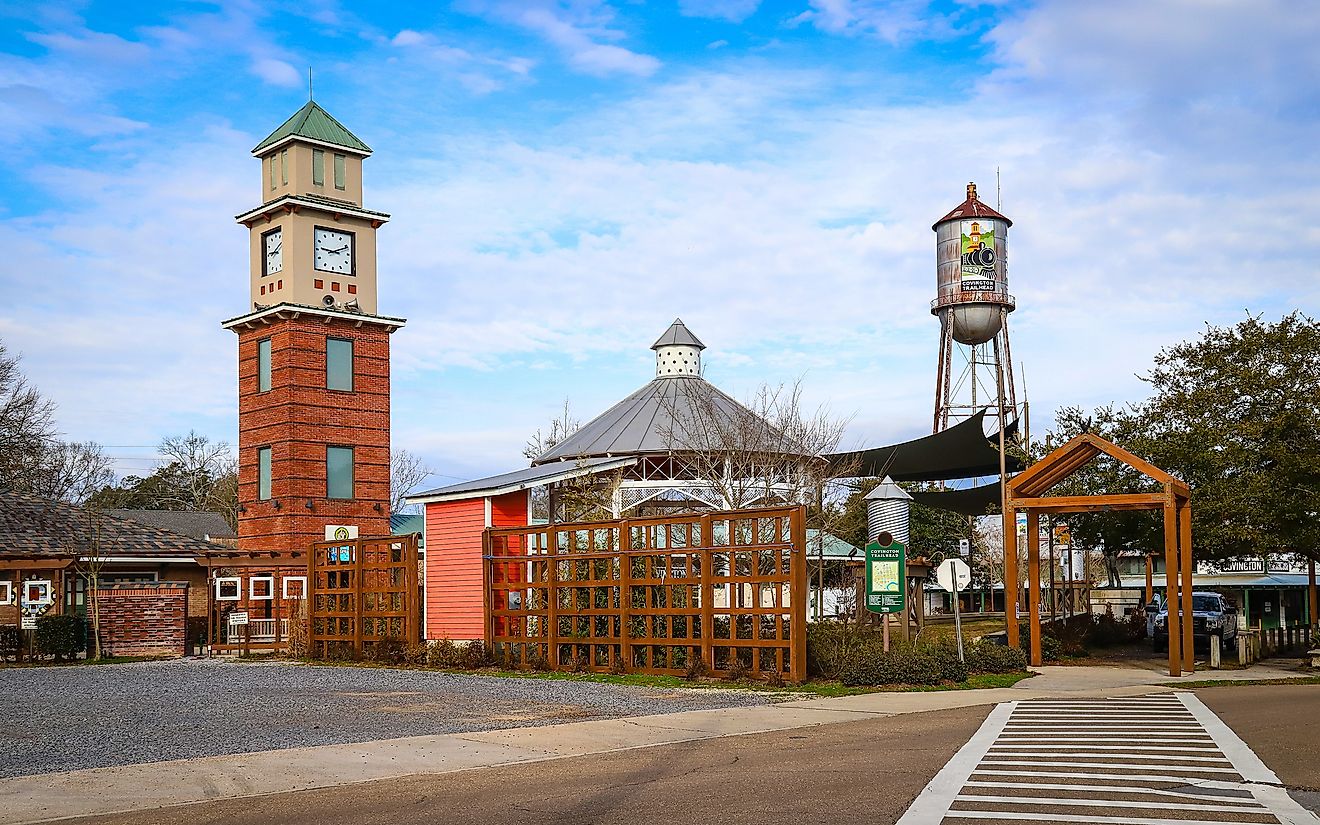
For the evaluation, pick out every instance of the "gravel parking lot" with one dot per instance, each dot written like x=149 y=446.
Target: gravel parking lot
x=69 y=718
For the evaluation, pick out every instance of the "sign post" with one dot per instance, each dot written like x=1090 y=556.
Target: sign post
x=886 y=579
x=953 y=575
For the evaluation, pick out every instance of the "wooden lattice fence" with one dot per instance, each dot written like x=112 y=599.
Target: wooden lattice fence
x=656 y=595
x=362 y=592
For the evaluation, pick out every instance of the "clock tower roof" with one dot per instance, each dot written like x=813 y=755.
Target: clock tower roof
x=316 y=125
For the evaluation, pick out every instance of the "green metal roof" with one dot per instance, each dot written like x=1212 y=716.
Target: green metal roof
x=314 y=123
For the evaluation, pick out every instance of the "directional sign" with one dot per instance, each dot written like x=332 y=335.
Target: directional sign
x=886 y=575
x=953 y=575
x=238 y=617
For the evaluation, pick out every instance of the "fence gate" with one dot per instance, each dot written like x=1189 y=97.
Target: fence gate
x=363 y=591
x=726 y=590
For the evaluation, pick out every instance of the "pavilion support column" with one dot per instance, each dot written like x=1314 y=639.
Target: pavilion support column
x=1185 y=542
x=1033 y=584
x=1011 y=589
x=1171 y=585
x=1310 y=594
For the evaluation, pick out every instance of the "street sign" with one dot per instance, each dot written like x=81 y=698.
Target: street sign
x=238 y=617
x=886 y=576
x=953 y=575
x=964 y=547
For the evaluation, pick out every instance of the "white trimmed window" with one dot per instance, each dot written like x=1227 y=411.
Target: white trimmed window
x=38 y=592
x=6 y=592
x=295 y=587
x=261 y=588
x=229 y=589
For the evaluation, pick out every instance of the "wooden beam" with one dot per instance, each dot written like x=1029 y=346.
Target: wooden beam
x=1185 y=557
x=1081 y=504
x=1010 y=577
x=1033 y=584
x=1171 y=586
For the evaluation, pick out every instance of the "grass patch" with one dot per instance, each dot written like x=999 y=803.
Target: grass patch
x=107 y=660
x=821 y=688
x=1300 y=680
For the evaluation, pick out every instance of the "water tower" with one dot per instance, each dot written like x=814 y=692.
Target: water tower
x=975 y=370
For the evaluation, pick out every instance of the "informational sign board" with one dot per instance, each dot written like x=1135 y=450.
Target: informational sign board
x=886 y=579
x=340 y=532
x=964 y=547
x=28 y=623
x=238 y=617
x=954 y=575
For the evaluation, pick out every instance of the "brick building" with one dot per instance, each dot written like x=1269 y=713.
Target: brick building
x=50 y=549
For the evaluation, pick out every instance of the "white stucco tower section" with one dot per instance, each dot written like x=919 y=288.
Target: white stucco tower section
x=677 y=352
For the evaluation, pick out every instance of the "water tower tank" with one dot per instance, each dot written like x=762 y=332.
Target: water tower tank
x=971 y=260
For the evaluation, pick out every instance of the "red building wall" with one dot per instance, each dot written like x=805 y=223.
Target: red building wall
x=298 y=418
x=455 y=604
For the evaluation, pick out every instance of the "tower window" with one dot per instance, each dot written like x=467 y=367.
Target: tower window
x=271 y=164
x=263 y=473
x=318 y=167
x=339 y=171
x=263 y=365
x=338 y=364
x=284 y=166
x=339 y=472
x=317 y=283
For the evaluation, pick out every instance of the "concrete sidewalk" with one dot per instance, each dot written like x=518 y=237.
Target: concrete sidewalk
x=136 y=787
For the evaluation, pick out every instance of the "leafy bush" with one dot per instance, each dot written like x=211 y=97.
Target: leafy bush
x=9 y=642
x=61 y=636
x=900 y=666
x=415 y=654
x=443 y=653
x=475 y=655
x=389 y=651
x=988 y=657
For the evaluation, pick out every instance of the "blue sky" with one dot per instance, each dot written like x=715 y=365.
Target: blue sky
x=566 y=178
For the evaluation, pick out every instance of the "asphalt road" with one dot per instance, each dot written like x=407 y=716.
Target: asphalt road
x=865 y=772
x=1281 y=723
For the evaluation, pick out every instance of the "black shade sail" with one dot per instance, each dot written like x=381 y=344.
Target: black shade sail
x=962 y=451
x=972 y=501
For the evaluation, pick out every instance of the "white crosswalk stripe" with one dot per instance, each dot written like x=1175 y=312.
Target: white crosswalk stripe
x=1153 y=760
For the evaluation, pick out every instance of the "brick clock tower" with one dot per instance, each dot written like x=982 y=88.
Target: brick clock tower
x=313 y=352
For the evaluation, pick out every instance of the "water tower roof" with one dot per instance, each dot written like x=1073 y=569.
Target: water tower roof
x=678 y=335
x=971 y=208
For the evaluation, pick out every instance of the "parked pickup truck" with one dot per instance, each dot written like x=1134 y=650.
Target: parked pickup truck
x=1211 y=616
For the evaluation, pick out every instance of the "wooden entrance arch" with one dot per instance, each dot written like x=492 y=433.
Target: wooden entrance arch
x=1027 y=493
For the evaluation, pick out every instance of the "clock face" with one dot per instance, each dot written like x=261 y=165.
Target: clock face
x=334 y=251
x=274 y=249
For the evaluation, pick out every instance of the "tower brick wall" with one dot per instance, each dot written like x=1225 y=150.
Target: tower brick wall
x=298 y=418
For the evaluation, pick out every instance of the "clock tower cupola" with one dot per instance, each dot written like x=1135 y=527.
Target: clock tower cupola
x=314 y=378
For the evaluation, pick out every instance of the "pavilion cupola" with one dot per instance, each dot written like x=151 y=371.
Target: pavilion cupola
x=677 y=352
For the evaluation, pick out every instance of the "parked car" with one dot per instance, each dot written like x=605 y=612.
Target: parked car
x=1211 y=616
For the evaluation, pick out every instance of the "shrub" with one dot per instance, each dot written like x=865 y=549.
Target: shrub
x=902 y=665
x=696 y=669
x=738 y=670
x=415 y=654
x=61 y=636
x=9 y=642
x=987 y=657
x=831 y=646
x=389 y=650
x=474 y=656
x=948 y=666
x=443 y=653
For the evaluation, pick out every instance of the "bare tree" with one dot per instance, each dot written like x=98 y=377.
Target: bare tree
x=407 y=470
x=763 y=452
x=199 y=464
x=27 y=424
x=561 y=427
x=70 y=472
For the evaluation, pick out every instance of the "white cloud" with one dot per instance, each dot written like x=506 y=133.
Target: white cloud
x=889 y=20
x=277 y=72
x=576 y=30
